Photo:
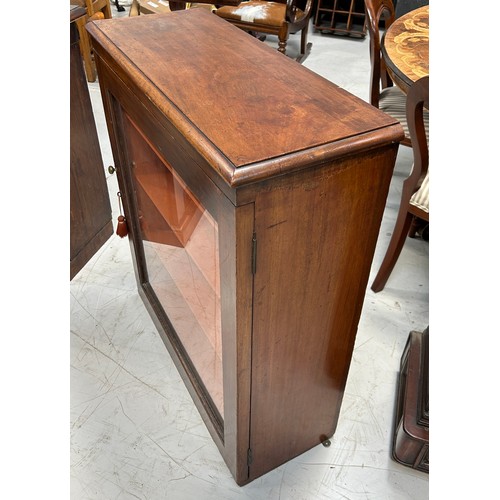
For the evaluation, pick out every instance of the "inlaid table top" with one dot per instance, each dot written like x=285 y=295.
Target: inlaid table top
x=405 y=47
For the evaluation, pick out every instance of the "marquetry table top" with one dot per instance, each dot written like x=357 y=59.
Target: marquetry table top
x=405 y=47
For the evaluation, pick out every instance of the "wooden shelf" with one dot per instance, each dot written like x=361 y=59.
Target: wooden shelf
x=172 y=212
x=341 y=17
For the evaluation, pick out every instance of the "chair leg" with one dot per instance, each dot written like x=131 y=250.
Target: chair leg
x=282 y=39
x=85 y=50
x=414 y=227
x=303 y=39
x=134 y=9
x=305 y=48
x=399 y=235
x=107 y=11
x=394 y=249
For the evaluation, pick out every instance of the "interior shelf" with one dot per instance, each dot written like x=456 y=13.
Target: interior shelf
x=173 y=213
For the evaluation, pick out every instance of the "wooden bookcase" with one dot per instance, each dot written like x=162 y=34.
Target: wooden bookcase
x=341 y=17
x=253 y=191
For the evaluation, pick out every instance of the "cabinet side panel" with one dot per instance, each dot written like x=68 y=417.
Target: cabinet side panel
x=316 y=235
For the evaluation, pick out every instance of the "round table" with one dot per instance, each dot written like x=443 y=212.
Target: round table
x=405 y=48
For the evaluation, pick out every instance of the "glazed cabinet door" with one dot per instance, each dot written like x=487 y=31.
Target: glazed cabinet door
x=178 y=238
x=192 y=256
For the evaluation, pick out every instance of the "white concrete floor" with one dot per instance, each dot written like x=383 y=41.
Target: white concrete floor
x=135 y=432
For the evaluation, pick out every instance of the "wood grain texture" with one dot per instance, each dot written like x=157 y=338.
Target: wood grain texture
x=406 y=47
x=251 y=97
x=316 y=233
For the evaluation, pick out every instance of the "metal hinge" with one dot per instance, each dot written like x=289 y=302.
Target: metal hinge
x=249 y=457
x=254 y=253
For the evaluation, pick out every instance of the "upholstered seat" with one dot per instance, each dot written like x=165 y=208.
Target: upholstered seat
x=420 y=199
x=280 y=18
x=392 y=100
x=258 y=11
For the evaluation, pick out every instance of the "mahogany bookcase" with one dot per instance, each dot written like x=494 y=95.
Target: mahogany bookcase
x=253 y=192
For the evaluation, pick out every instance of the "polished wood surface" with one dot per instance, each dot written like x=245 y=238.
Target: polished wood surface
x=316 y=234
x=405 y=47
x=90 y=209
x=260 y=107
x=295 y=173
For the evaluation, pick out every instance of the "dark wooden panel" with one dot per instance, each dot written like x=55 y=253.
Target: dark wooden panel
x=90 y=210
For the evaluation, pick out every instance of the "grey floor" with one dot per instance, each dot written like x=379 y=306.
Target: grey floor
x=135 y=433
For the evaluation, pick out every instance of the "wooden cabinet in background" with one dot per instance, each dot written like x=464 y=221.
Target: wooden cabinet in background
x=254 y=191
x=90 y=208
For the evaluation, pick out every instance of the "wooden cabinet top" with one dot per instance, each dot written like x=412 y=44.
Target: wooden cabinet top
x=250 y=111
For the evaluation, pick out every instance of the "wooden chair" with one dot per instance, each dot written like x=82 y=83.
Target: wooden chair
x=415 y=192
x=383 y=94
x=96 y=9
x=280 y=18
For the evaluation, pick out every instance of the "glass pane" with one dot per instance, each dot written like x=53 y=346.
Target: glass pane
x=181 y=246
